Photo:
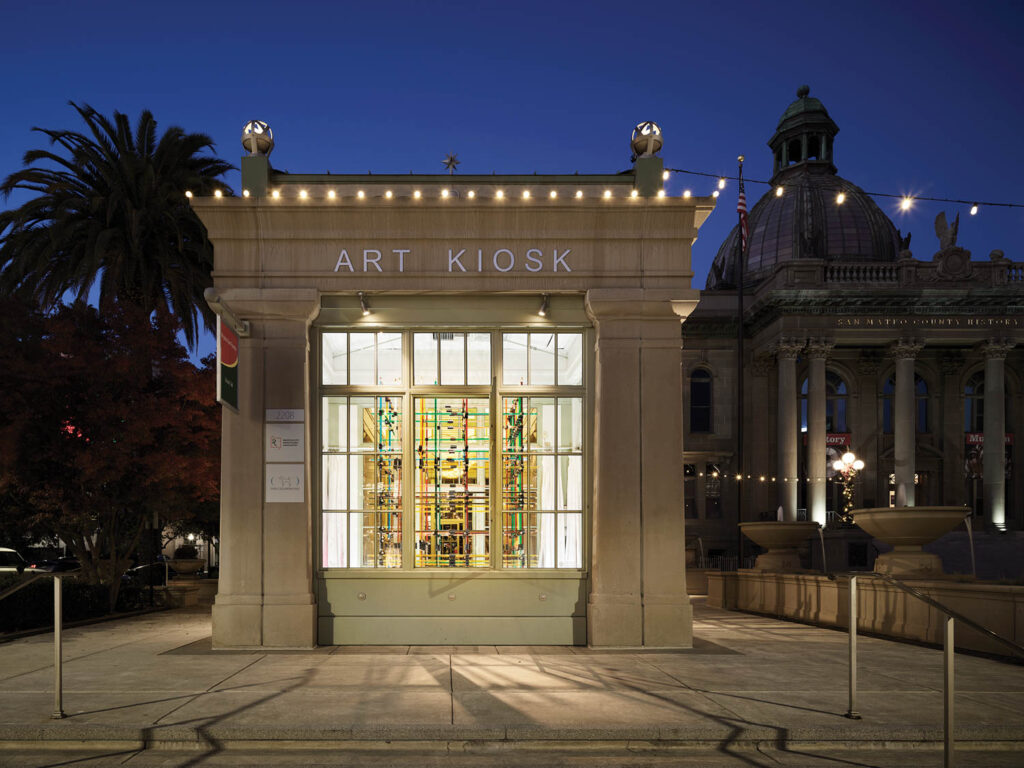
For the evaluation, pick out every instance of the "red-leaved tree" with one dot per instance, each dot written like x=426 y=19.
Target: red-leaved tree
x=107 y=428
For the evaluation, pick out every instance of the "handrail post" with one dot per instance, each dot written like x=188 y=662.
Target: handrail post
x=852 y=712
x=948 y=649
x=58 y=671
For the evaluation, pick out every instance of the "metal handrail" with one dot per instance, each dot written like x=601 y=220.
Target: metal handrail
x=58 y=631
x=948 y=650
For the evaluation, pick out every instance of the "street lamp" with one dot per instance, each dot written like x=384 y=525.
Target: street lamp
x=847 y=466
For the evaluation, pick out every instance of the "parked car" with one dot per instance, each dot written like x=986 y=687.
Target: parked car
x=59 y=565
x=11 y=561
x=150 y=574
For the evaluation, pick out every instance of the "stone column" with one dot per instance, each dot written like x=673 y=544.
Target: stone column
x=904 y=417
x=817 y=352
x=994 y=461
x=786 y=351
x=238 y=608
x=638 y=579
x=265 y=595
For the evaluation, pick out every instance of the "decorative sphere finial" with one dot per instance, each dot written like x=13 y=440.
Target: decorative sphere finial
x=257 y=138
x=646 y=139
x=803 y=91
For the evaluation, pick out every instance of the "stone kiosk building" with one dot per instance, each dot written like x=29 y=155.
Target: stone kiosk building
x=852 y=342
x=459 y=415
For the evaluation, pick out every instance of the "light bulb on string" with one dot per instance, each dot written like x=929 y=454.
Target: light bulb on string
x=974 y=210
x=905 y=203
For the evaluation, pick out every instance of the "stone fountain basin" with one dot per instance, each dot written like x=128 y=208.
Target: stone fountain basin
x=775 y=534
x=908 y=526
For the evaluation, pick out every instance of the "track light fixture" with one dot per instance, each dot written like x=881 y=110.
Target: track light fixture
x=544 y=304
x=363 y=304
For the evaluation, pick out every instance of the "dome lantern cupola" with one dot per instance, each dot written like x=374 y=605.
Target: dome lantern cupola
x=804 y=134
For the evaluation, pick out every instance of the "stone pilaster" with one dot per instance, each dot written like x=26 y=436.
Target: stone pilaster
x=786 y=352
x=817 y=353
x=904 y=413
x=994 y=461
x=265 y=595
x=638 y=582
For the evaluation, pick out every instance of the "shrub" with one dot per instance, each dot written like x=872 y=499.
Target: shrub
x=186 y=552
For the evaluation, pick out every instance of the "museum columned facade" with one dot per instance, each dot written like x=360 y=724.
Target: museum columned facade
x=854 y=341
x=459 y=414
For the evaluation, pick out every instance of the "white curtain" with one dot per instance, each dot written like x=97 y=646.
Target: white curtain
x=546 y=540
x=334 y=540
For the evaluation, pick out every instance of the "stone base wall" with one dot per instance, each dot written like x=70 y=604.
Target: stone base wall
x=881 y=608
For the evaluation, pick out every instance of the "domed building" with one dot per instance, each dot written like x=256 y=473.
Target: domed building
x=849 y=344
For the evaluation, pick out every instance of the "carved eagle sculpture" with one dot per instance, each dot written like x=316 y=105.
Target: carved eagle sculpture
x=945 y=232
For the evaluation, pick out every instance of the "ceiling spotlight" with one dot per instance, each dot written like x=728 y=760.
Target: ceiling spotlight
x=331 y=194
x=471 y=194
x=500 y=194
x=388 y=194
x=552 y=194
x=607 y=194
x=526 y=194
x=544 y=304
x=687 y=193
x=974 y=210
x=360 y=194
x=579 y=193
x=634 y=193
x=217 y=193
x=778 y=191
x=245 y=193
x=363 y=304
x=417 y=194
x=444 y=193
x=303 y=194
x=661 y=193
x=841 y=198
x=276 y=194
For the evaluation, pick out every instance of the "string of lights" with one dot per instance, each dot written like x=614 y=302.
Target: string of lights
x=906 y=201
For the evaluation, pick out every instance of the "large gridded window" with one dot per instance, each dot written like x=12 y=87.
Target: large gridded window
x=542 y=482
x=361 y=473
x=451 y=443
x=920 y=403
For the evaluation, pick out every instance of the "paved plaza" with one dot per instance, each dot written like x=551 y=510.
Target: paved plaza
x=754 y=691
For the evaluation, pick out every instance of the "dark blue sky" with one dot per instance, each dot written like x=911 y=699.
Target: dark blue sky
x=927 y=94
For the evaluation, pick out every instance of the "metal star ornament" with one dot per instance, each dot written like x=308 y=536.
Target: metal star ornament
x=451 y=160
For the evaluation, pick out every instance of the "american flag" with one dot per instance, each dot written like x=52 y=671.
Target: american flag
x=741 y=209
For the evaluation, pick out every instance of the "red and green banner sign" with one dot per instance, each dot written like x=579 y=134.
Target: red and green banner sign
x=227 y=365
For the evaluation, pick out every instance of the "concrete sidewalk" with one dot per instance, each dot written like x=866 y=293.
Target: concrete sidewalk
x=753 y=691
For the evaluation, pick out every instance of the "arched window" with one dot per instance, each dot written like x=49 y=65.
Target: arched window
x=920 y=401
x=835 y=403
x=700 y=401
x=974 y=403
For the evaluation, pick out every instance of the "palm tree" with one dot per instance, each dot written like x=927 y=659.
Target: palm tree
x=112 y=207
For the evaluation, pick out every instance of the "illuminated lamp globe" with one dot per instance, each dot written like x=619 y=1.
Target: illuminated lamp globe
x=848 y=458
x=257 y=138
x=858 y=465
x=646 y=139
x=837 y=466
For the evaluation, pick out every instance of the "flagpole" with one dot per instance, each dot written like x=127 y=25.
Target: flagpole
x=741 y=211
